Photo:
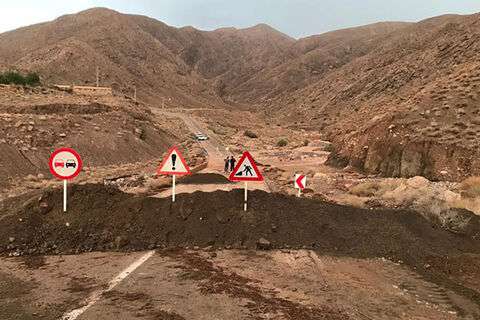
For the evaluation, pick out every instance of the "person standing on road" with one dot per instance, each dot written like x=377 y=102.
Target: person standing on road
x=227 y=163
x=233 y=161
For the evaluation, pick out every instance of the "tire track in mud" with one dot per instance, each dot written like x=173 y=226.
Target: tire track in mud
x=437 y=290
x=212 y=279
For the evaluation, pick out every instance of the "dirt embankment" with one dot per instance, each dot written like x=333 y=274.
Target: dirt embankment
x=385 y=150
x=102 y=218
x=105 y=131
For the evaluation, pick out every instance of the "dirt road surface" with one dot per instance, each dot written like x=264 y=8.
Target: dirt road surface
x=216 y=151
x=353 y=269
x=208 y=283
x=203 y=285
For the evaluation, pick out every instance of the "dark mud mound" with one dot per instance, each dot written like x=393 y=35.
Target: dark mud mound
x=102 y=218
x=205 y=178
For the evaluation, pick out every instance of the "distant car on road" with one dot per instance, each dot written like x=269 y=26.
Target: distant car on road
x=200 y=136
x=70 y=164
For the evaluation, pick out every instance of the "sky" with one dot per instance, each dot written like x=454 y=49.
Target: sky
x=297 y=18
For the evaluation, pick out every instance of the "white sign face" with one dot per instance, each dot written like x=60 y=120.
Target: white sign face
x=300 y=181
x=65 y=163
x=246 y=170
x=174 y=164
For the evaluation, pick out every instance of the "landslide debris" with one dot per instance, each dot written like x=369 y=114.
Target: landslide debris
x=104 y=218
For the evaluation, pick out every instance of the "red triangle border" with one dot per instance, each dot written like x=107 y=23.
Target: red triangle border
x=169 y=153
x=247 y=155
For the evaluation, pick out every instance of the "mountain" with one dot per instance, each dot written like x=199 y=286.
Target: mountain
x=192 y=66
x=396 y=99
x=410 y=106
x=196 y=68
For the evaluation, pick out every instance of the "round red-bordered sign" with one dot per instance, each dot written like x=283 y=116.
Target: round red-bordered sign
x=65 y=163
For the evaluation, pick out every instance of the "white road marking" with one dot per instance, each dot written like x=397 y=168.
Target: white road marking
x=95 y=296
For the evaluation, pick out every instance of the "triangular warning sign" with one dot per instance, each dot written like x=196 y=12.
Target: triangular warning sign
x=246 y=170
x=174 y=164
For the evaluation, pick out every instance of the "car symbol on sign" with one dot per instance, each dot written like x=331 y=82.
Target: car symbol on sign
x=59 y=163
x=70 y=164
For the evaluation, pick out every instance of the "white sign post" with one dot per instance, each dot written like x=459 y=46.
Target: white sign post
x=173 y=188
x=173 y=164
x=64 y=195
x=245 y=197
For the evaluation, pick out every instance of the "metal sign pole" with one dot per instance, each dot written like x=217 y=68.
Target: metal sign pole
x=299 y=192
x=65 y=195
x=246 y=197
x=173 y=188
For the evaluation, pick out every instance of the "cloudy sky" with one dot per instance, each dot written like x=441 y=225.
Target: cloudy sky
x=297 y=18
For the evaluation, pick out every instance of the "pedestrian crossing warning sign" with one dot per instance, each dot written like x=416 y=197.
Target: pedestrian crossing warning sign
x=246 y=170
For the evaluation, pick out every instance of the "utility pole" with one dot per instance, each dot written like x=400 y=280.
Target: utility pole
x=98 y=75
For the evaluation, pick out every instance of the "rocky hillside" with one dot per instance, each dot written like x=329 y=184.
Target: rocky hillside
x=191 y=66
x=396 y=99
x=107 y=131
x=195 y=68
x=408 y=107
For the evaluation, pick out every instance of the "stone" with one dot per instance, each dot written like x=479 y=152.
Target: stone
x=264 y=244
x=44 y=207
x=120 y=242
x=418 y=182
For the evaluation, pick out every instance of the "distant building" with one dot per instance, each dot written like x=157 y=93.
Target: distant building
x=86 y=90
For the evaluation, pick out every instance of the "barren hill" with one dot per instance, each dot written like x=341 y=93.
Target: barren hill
x=108 y=131
x=408 y=107
x=397 y=99
x=192 y=66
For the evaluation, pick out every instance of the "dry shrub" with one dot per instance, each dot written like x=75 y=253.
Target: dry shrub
x=351 y=200
x=430 y=199
x=250 y=134
x=415 y=193
x=373 y=188
x=282 y=143
x=470 y=204
x=367 y=189
x=470 y=188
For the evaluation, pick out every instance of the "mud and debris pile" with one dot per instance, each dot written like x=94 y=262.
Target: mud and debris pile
x=102 y=218
x=206 y=178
